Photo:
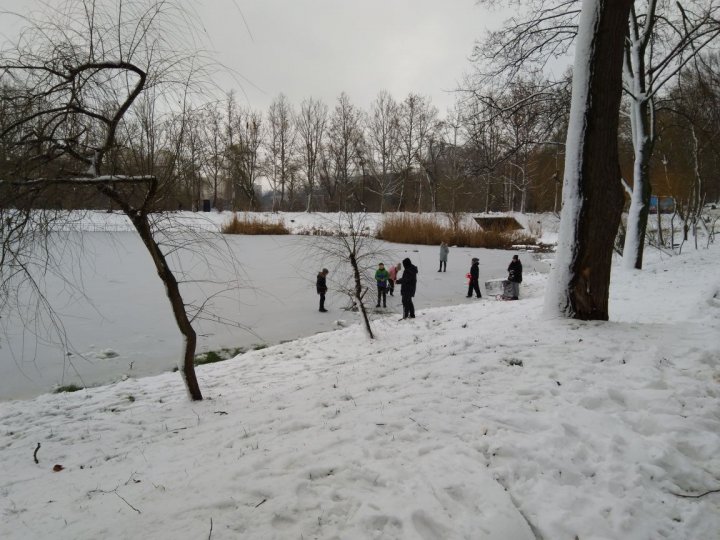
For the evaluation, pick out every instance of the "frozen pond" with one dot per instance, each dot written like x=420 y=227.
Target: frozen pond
x=122 y=325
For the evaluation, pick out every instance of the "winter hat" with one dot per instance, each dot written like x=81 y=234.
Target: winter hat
x=475 y=259
x=407 y=262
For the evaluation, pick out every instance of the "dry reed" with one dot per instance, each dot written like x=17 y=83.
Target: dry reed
x=419 y=229
x=252 y=225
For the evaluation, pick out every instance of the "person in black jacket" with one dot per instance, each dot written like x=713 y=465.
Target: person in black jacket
x=474 y=282
x=321 y=286
x=515 y=276
x=408 y=283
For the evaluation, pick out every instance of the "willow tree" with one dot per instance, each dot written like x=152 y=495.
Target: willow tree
x=76 y=73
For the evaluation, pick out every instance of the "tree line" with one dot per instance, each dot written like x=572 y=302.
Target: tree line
x=496 y=149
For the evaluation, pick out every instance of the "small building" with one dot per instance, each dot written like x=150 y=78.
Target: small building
x=501 y=224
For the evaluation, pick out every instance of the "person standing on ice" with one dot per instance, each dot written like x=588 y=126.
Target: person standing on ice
x=408 y=284
x=381 y=277
x=444 y=250
x=474 y=278
x=321 y=286
x=392 y=277
x=515 y=276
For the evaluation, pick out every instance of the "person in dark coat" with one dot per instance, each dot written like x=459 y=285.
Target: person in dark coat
x=515 y=276
x=321 y=286
x=408 y=283
x=474 y=281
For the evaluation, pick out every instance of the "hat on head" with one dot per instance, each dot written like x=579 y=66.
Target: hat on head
x=325 y=271
x=515 y=257
x=406 y=262
x=475 y=259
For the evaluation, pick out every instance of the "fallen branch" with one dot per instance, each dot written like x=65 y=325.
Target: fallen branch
x=125 y=501
x=116 y=493
x=211 y=527
x=695 y=496
x=35 y=453
x=418 y=423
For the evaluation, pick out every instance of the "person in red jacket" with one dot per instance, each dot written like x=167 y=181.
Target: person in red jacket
x=394 y=269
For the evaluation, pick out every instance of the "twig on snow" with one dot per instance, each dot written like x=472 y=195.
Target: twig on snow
x=418 y=423
x=695 y=496
x=35 y=453
x=125 y=501
x=115 y=491
x=211 y=527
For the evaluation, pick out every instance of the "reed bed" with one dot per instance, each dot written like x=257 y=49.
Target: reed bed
x=420 y=229
x=253 y=225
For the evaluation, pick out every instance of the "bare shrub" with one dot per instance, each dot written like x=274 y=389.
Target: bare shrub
x=253 y=225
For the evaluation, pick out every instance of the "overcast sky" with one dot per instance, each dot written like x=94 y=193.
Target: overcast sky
x=320 y=48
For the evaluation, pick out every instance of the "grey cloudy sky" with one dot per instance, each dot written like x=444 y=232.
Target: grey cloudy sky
x=320 y=48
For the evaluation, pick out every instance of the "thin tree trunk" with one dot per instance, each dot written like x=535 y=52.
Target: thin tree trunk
x=640 y=198
x=359 y=295
x=172 y=289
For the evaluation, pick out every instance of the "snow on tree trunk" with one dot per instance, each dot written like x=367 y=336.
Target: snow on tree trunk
x=592 y=191
x=642 y=139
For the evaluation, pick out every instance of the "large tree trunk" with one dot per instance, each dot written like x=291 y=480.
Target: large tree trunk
x=592 y=192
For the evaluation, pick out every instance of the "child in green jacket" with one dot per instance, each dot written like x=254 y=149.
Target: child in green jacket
x=381 y=277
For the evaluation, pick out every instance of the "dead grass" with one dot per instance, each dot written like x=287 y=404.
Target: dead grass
x=253 y=225
x=419 y=229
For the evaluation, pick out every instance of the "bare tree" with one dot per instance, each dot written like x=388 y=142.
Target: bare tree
x=482 y=133
x=212 y=134
x=662 y=38
x=344 y=142
x=417 y=118
x=381 y=146
x=354 y=256
x=694 y=104
x=310 y=124
x=80 y=72
x=281 y=146
x=245 y=132
x=444 y=161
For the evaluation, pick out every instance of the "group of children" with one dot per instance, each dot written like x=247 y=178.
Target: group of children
x=511 y=286
x=386 y=280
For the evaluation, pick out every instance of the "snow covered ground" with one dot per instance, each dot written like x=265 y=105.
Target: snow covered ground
x=480 y=421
